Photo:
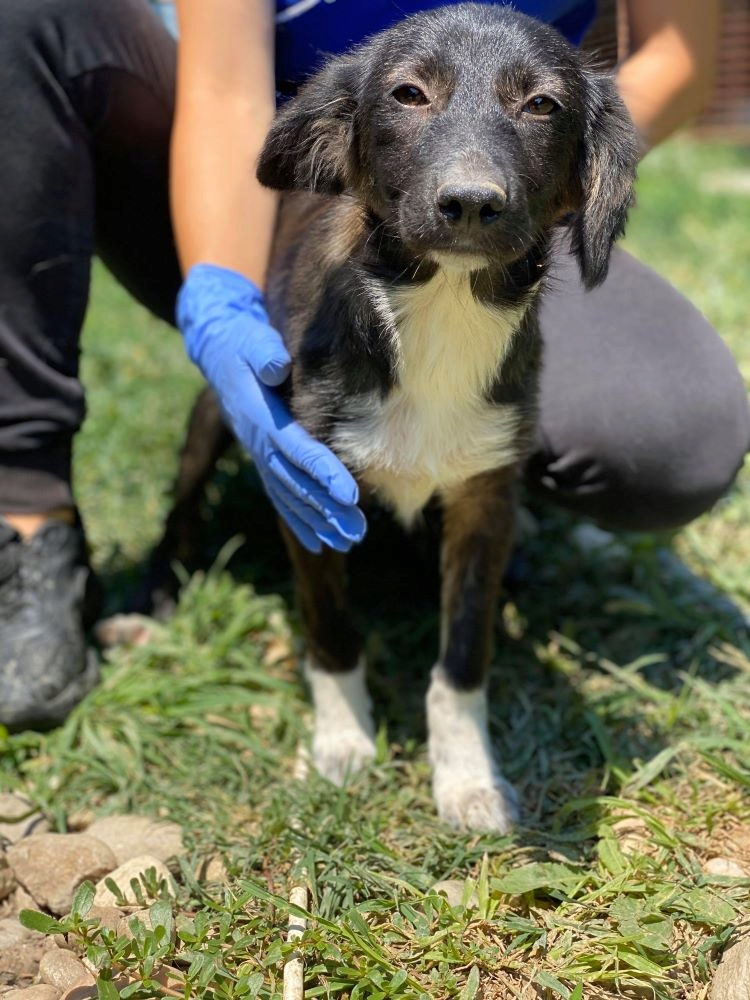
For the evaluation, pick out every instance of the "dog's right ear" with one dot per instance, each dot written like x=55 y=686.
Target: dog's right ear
x=310 y=145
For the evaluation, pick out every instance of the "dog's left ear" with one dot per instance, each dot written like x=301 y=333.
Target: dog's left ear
x=310 y=145
x=606 y=176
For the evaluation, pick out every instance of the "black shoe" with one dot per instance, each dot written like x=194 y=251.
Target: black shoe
x=48 y=598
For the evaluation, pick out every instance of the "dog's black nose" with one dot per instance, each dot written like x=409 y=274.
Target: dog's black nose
x=469 y=204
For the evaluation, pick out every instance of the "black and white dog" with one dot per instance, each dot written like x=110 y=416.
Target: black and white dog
x=431 y=168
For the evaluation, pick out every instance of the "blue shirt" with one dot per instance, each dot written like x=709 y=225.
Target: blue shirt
x=308 y=30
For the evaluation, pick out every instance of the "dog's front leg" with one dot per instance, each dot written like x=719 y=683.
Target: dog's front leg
x=469 y=790
x=344 y=735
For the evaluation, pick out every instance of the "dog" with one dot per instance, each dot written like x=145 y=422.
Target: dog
x=427 y=174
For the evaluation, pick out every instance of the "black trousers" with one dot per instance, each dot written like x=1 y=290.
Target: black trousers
x=644 y=414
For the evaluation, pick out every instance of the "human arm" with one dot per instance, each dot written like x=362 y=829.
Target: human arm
x=668 y=75
x=224 y=220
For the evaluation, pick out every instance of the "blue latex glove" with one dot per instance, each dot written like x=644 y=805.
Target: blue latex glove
x=229 y=337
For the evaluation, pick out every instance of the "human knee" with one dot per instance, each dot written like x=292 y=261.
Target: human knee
x=675 y=480
x=650 y=475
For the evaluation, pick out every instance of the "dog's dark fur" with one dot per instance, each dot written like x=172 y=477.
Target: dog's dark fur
x=432 y=167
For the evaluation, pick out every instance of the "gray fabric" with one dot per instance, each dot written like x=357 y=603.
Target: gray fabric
x=85 y=116
x=645 y=419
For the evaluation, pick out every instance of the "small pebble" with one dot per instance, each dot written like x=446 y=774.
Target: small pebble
x=732 y=977
x=454 y=889
x=19 y=818
x=42 y=991
x=122 y=876
x=62 y=970
x=51 y=866
x=132 y=836
x=724 y=866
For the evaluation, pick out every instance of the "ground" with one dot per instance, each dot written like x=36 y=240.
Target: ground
x=621 y=694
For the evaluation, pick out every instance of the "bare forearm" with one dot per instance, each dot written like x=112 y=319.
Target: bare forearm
x=667 y=79
x=225 y=103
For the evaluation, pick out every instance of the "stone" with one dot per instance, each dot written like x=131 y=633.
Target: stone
x=19 y=818
x=42 y=991
x=453 y=889
x=122 y=876
x=726 y=867
x=732 y=977
x=21 y=951
x=17 y=901
x=108 y=916
x=63 y=970
x=212 y=869
x=51 y=866
x=126 y=630
x=80 y=993
x=8 y=881
x=12 y=931
x=130 y=836
x=91 y=992
x=633 y=835
x=124 y=930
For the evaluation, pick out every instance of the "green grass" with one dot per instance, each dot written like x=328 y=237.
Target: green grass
x=619 y=692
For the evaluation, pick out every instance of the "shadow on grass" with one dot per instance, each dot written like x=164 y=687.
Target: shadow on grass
x=590 y=659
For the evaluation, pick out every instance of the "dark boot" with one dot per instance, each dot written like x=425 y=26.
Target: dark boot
x=48 y=598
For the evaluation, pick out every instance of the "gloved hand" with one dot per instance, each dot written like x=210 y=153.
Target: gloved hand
x=229 y=337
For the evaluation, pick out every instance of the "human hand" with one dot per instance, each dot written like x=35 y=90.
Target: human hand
x=229 y=337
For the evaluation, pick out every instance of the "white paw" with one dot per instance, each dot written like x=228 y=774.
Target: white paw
x=470 y=792
x=338 y=755
x=491 y=808
x=344 y=735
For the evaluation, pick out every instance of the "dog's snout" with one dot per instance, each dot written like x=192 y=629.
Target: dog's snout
x=466 y=205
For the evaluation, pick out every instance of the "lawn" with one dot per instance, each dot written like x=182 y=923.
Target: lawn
x=621 y=689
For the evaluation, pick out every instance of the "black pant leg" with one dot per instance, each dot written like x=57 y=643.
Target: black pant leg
x=85 y=109
x=644 y=414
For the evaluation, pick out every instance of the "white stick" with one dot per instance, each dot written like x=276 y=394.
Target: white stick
x=294 y=970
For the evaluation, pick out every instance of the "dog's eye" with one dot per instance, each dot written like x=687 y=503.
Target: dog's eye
x=540 y=105
x=410 y=96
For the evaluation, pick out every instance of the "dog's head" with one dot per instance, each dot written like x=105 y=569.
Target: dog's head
x=470 y=130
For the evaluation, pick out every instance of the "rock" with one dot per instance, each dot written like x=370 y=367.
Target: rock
x=732 y=978
x=733 y=841
x=126 y=630
x=212 y=869
x=122 y=876
x=108 y=916
x=724 y=866
x=453 y=889
x=633 y=835
x=42 y=991
x=124 y=929
x=80 y=993
x=8 y=881
x=79 y=820
x=130 y=836
x=21 y=950
x=51 y=866
x=19 y=818
x=12 y=931
x=17 y=901
x=62 y=970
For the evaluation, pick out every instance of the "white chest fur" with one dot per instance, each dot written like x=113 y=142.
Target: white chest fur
x=436 y=428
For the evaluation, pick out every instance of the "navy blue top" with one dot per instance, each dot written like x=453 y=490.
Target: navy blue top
x=307 y=30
